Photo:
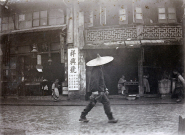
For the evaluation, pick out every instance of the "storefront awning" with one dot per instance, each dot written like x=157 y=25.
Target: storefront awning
x=37 y=29
x=131 y=43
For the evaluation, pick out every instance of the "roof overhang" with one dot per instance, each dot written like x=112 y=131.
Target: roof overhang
x=36 y=29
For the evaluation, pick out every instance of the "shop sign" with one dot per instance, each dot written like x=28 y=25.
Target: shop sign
x=73 y=82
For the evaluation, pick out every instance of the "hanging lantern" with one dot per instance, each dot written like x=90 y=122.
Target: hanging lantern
x=34 y=51
x=49 y=60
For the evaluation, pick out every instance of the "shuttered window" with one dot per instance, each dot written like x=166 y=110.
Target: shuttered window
x=123 y=17
x=138 y=15
x=89 y=19
x=172 y=15
x=167 y=15
x=102 y=16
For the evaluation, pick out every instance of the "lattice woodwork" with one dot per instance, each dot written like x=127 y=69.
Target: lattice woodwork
x=165 y=32
x=95 y=36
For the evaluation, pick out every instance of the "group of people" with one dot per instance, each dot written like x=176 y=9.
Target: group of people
x=177 y=93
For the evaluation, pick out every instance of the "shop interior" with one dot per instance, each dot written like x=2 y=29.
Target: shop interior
x=33 y=79
x=158 y=63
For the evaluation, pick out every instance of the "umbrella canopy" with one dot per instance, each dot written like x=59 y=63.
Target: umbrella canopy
x=100 y=60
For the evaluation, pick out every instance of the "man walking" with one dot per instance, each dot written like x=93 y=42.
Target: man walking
x=98 y=89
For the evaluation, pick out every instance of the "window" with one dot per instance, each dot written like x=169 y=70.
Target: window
x=25 y=21
x=169 y=16
x=43 y=18
x=28 y=20
x=103 y=16
x=123 y=18
x=35 y=19
x=21 y=18
x=138 y=15
x=21 y=21
x=162 y=15
x=89 y=19
x=56 y=17
x=4 y=23
x=40 y=18
x=7 y=23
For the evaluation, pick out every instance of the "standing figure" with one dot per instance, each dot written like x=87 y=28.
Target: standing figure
x=98 y=89
x=121 y=85
x=146 y=84
x=179 y=87
x=55 y=91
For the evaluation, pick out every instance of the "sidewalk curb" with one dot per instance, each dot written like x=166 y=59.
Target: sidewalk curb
x=82 y=103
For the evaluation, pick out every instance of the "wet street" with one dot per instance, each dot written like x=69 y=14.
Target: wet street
x=158 y=119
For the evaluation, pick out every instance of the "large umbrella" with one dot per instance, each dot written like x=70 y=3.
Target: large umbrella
x=100 y=60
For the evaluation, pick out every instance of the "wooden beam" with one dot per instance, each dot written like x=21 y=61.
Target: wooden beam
x=37 y=29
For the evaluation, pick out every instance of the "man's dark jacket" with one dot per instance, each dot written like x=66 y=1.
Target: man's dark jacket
x=97 y=80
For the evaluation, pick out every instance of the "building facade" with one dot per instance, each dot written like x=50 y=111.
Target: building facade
x=144 y=37
x=33 y=36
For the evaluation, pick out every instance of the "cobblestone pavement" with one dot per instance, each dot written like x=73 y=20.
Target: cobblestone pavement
x=159 y=119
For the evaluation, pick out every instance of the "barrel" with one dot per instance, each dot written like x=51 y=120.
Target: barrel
x=64 y=90
x=164 y=86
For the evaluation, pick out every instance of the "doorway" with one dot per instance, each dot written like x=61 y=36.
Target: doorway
x=159 y=62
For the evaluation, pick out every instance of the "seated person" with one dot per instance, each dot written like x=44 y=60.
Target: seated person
x=121 y=86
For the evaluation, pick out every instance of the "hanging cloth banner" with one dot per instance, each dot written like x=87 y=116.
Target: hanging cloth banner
x=73 y=82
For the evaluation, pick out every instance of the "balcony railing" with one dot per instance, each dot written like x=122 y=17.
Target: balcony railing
x=120 y=34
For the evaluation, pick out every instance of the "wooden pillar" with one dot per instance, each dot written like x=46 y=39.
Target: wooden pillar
x=140 y=73
x=1 y=55
x=61 y=48
x=78 y=42
x=69 y=21
x=183 y=34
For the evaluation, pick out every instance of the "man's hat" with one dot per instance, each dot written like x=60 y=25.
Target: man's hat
x=100 y=60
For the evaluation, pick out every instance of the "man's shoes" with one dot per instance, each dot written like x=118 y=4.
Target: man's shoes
x=83 y=119
x=113 y=121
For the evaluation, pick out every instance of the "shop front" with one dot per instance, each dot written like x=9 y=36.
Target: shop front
x=145 y=59
x=32 y=61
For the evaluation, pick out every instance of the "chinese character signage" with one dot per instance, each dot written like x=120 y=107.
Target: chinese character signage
x=73 y=82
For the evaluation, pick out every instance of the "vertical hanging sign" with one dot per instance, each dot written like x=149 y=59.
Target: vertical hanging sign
x=73 y=82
